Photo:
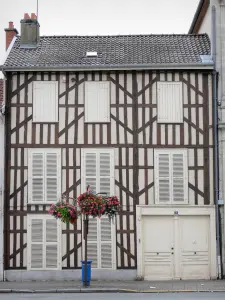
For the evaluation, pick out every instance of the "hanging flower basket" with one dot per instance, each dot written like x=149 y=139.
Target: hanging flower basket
x=87 y=204
x=111 y=206
x=91 y=205
x=64 y=211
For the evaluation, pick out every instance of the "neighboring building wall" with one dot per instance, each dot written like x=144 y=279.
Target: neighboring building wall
x=2 y=149
x=206 y=27
x=206 y=24
x=133 y=133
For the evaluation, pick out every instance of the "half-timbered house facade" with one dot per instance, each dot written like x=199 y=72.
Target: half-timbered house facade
x=129 y=115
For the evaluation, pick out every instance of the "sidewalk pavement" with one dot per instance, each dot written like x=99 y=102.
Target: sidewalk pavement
x=113 y=286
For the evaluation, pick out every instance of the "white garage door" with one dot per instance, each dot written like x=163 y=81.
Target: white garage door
x=175 y=247
x=194 y=247
x=158 y=243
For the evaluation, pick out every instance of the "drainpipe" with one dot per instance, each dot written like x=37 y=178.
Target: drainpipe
x=216 y=149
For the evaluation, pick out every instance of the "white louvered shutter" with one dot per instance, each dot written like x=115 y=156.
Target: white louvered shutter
x=106 y=243
x=169 y=102
x=45 y=101
x=90 y=171
x=103 y=102
x=51 y=244
x=36 y=243
x=97 y=102
x=52 y=172
x=36 y=177
x=91 y=102
x=92 y=243
x=163 y=178
x=178 y=178
x=105 y=172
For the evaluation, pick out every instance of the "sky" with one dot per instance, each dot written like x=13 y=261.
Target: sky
x=99 y=17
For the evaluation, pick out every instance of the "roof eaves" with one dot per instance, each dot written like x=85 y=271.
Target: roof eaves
x=120 y=67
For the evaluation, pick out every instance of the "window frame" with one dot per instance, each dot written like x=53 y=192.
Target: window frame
x=170 y=152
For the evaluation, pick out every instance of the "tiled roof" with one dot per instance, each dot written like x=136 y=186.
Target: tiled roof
x=1 y=92
x=113 y=51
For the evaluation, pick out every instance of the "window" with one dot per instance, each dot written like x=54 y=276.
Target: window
x=45 y=101
x=43 y=243
x=97 y=102
x=101 y=243
x=44 y=175
x=98 y=170
x=169 y=102
x=171 y=176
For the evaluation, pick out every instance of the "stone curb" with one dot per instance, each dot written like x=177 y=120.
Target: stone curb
x=103 y=290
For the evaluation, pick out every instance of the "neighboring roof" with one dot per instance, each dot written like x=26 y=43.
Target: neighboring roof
x=199 y=16
x=1 y=92
x=131 y=51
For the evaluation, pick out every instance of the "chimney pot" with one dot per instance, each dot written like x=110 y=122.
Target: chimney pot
x=26 y=16
x=10 y=32
x=11 y=25
x=33 y=16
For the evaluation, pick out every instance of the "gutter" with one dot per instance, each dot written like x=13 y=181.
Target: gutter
x=216 y=148
x=200 y=66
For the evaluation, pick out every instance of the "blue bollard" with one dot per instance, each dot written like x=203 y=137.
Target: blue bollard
x=88 y=272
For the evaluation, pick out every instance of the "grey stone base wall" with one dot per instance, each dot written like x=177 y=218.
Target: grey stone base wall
x=68 y=275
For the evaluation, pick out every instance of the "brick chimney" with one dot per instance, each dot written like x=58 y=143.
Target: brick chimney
x=10 y=33
x=30 y=30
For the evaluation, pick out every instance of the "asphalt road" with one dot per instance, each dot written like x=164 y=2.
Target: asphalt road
x=118 y=296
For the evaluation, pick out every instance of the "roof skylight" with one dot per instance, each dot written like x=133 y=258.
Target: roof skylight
x=91 y=54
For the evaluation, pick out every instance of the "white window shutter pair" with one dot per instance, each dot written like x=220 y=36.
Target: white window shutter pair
x=101 y=243
x=43 y=246
x=98 y=170
x=171 y=176
x=45 y=101
x=44 y=175
x=169 y=102
x=97 y=101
